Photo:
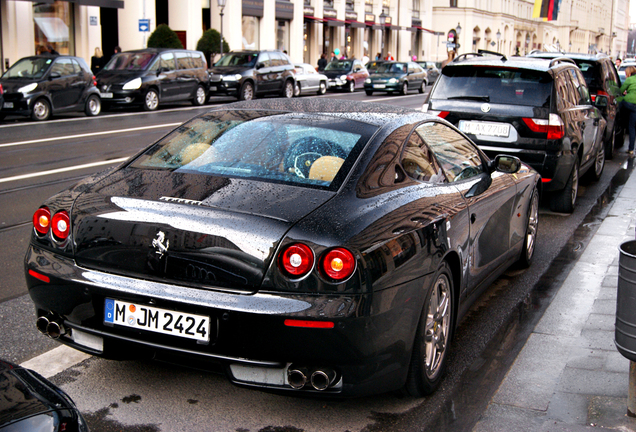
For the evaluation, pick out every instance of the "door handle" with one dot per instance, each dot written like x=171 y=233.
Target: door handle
x=473 y=218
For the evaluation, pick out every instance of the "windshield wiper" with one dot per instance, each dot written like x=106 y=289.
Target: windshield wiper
x=476 y=98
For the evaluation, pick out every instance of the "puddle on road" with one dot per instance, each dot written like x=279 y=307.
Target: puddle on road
x=487 y=372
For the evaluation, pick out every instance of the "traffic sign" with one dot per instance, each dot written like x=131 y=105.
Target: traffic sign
x=144 y=25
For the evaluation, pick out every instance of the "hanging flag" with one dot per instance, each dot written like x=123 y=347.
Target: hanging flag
x=536 y=12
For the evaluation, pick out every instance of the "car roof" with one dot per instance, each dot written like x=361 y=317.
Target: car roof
x=573 y=56
x=502 y=61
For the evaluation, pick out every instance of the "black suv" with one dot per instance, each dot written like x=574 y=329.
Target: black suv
x=152 y=76
x=40 y=86
x=539 y=110
x=249 y=74
x=604 y=83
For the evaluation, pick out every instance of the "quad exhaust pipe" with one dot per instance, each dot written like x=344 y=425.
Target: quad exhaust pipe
x=50 y=326
x=319 y=378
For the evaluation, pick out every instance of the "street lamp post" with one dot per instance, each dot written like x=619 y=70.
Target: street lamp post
x=498 y=35
x=221 y=4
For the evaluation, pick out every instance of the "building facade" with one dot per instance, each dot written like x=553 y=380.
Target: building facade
x=305 y=29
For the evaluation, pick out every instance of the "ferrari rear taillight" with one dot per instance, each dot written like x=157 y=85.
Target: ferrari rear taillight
x=338 y=264
x=61 y=225
x=42 y=220
x=296 y=260
x=553 y=126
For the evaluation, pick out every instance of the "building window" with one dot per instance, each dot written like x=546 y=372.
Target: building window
x=328 y=4
x=416 y=9
x=453 y=3
x=385 y=6
x=54 y=24
x=349 y=5
x=250 y=33
x=368 y=6
x=282 y=35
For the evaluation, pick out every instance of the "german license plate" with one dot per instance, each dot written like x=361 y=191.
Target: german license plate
x=379 y=85
x=485 y=128
x=106 y=95
x=212 y=88
x=157 y=320
x=7 y=105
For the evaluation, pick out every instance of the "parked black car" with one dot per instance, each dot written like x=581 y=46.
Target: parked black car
x=539 y=110
x=604 y=83
x=40 y=86
x=348 y=74
x=153 y=76
x=31 y=403
x=250 y=74
x=398 y=77
x=319 y=246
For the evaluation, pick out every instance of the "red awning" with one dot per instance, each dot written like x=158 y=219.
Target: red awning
x=355 y=24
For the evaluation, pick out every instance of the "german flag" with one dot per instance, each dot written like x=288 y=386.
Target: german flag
x=546 y=9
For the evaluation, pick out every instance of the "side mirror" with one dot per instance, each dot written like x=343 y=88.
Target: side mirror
x=259 y=65
x=506 y=164
x=601 y=101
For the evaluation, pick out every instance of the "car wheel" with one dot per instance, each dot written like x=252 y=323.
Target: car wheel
x=609 y=147
x=433 y=336
x=93 y=105
x=322 y=89
x=369 y=92
x=352 y=86
x=199 y=97
x=151 y=100
x=564 y=200
x=297 y=90
x=531 y=231
x=41 y=110
x=247 y=91
x=423 y=87
x=288 y=90
x=596 y=171
x=405 y=88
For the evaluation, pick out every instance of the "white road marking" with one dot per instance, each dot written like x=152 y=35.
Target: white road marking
x=90 y=134
x=61 y=170
x=55 y=361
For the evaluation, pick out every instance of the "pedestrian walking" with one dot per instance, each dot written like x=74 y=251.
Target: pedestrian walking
x=628 y=103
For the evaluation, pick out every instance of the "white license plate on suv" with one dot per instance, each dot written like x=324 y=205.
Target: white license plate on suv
x=484 y=128
x=157 y=320
x=8 y=105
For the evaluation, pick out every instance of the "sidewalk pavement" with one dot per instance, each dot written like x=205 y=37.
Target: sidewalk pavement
x=569 y=376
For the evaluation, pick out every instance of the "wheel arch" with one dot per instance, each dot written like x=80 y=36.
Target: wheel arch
x=454 y=263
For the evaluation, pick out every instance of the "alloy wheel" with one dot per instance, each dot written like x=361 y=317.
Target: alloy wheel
x=438 y=316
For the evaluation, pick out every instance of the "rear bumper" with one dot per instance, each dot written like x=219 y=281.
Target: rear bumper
x=369 y=346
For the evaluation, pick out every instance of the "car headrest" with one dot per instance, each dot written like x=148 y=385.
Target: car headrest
x=192 y=152
x=325 y=168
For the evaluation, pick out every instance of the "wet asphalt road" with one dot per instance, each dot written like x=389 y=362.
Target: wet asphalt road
x=150 y=396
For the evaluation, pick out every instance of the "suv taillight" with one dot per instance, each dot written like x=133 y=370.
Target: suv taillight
x=1 y=90
x=600 y=93
x=553 y=126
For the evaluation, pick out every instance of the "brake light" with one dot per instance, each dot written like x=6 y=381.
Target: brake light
x=61 y=225
x=338 y=264
x=553 y=126
x=42 y=220
x=296 y=260
x=1 y=90
x=443 y=114
x=308 y=324
x=94 y=81
x=40 y=276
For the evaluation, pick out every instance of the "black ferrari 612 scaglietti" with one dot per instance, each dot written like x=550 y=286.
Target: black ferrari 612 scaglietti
x=315 y=246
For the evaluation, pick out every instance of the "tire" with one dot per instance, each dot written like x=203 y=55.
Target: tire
x=609 y=146
x=351 y=86
x=322 y=89
x=405 y=88
x=564 y=200
x=200 y=97
x=151 y=100
x=532 y=227
x=422 y=88
x=93 y=105
x=596 y=171
x=433 y=336
x=297 y=90
x=247 y=91
x=288 y=89
x=369 y=92
x=41 y=110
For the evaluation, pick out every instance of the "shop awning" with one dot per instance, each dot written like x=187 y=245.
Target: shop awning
x=53 y=28
x=355 y=24
x=423 y=29
x=334 y=22
x=117 y=4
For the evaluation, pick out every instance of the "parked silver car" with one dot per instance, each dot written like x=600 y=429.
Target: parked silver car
x=308 y=80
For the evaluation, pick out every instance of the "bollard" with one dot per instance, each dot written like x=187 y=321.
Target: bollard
x=625 y=327
x=631 y=400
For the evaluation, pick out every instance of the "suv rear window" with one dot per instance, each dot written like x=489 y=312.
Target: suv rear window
x=498 y=85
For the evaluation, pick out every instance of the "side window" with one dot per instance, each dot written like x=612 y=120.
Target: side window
x=76 y=67
x=458 y=157
x=419 y=162
x=63 y=66
x=167 y=61
x=579 y=86
x=263 y=58
x=183 y=60
x=197 y=60
x=563 y=93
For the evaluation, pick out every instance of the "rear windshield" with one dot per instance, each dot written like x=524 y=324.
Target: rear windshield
x=131 y=61
x=307 y=150
x=396 y=68
x=510 y=86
